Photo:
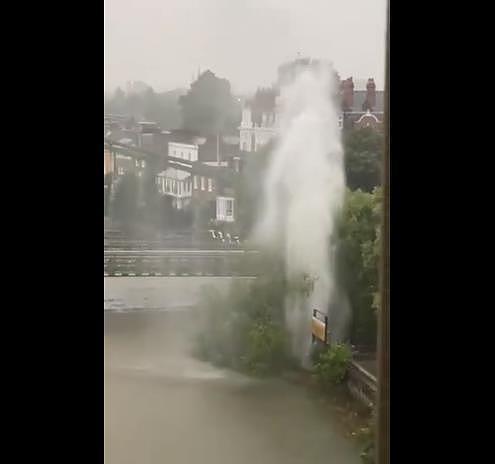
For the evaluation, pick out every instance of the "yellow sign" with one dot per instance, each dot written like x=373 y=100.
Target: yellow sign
x=319 y=329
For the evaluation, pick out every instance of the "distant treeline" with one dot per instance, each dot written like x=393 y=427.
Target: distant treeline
x=208 y=106
x=160 y=107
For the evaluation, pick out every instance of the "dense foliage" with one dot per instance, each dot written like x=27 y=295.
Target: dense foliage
x=245 y=329
x=367 y=438
x=363 y=150
x=209 y=107
x=148 y=105
x=125 y=203
x=107 y=184
x=358 y=261
x=139 y=209
x=358 y=237
x=331 y=365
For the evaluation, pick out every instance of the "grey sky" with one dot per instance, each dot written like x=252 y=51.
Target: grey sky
x=163 y=42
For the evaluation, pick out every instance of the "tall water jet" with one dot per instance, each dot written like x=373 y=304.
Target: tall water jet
x=304 y=191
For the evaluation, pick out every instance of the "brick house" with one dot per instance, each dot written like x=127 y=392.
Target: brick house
x=359 y=108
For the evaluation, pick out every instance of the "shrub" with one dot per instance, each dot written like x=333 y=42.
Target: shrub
x=266 y=349
x=246 y=329
x=358 y=253
x=331 y=366
x=367 y=435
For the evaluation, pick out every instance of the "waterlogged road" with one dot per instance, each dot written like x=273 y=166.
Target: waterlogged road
x=163 y=406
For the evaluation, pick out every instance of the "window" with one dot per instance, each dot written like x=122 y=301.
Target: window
x=137 y=163
x=225 y=209
x=143 y=164
x=140 y=173
x=195 y=181
x=202 y=183
x=229 y=208
x=120 y=171
x=210 y=185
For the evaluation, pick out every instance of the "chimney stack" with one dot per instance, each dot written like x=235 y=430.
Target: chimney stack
x=370 y=101
x=347 y=94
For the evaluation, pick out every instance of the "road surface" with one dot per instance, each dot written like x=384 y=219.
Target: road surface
x=164 y=407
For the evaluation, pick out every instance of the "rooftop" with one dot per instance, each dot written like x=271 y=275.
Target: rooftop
x=228 y=146
x=360 y=97
x=174 y=174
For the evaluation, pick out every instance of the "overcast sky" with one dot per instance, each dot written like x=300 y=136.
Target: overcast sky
x=164 y=42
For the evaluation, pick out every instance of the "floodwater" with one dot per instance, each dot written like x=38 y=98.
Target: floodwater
x=163 y=406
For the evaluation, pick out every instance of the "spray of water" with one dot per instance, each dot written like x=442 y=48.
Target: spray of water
x=304 y=190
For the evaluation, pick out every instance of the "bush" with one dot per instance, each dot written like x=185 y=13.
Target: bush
x=367 y=435
x=266 y=349
x=331 y=366
x=368 y=454
x=246 y=330
x=317 y=349
x=358 y=254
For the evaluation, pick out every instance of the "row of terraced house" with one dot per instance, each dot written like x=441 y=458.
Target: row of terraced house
x=259 y=125
x=217 y=201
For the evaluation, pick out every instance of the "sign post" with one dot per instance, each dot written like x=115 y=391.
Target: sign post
x=319 y=327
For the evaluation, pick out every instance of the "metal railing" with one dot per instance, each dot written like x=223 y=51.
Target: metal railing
x=362 y=385
x=180 y=263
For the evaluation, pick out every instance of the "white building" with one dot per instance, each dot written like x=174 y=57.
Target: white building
x=225 y=209
x=253 y=136
x=185 y=151
x=176 y=184
x=183 y=187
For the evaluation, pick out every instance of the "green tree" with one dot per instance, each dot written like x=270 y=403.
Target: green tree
x=151 y=198
x=246 y=328
x=125 y=208
x=209 y=107
x=162 y=108
x=135 y=105
x=358 y=260
x=363 y=157
x=107 y=185
x=117 y=103
x=151 y=105
x=331 y=365
x=166 y=213
x=169 y=113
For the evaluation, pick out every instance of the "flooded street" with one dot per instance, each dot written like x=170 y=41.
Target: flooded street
x=163 y=406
